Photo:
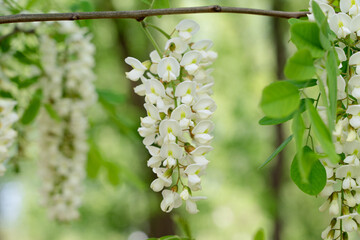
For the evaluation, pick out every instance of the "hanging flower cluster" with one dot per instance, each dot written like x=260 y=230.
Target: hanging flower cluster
x=68 y=92
x=342 y=190
x=177 y=128
x=7 y=134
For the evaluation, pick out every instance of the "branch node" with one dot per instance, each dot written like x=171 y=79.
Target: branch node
x=217 y=8
x=75 y=17
x=140 y=19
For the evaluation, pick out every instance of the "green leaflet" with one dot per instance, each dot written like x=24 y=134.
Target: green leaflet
x=298 y=129
x=280 y=99
x=316 y=180
x=260 y=234
x=322 y=133
x=277 y=151
x=33 y=108
x=331 y=69
x=300 y=66
x=306 y=35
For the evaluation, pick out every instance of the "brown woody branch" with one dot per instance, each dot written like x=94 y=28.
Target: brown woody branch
x=141 y=14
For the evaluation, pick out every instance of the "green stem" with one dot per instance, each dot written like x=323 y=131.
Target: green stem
x=158 y=29
x=150 y=37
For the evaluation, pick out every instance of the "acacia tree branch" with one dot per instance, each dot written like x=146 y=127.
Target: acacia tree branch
x=141 y=14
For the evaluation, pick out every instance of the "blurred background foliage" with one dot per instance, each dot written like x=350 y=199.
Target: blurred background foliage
x=118 y=203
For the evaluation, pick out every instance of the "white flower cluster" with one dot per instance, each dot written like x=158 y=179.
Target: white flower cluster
x=7 y=134
x=177 y=129
x=68 y=91
x=342 y=190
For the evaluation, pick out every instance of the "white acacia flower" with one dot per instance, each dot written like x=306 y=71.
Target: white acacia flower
x=341 y=84
x=355 y=25
x=325 y=7
x=349 y=225
x=182 y=114
x=168 y=69
x=354 y=85
x=162 y=181
x=155 y=92
x=198 y=155
x=171 y=153
x=204 y=47
x=176 y=45
x=340 y=24
x=153 y=116
x=149 y=135
x=187 y=28
x=138 y=69
x=192 y=171
x=355 y=60
x=352 y=160
x=171 y=200
x=204 y=108
x=141 y=89
x=354 y=110
x=186 y=91
x=155 y=59
x=6 y=106
x=191 y=206
x=350 y=6
x=169 y=130
x=202 y=131
x=190 y=61
x=156 y=159
x=185 y=194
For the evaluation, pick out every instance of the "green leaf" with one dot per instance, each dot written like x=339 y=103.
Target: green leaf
x=331 y=69
x=184 y=224
x=113 y=173
x=306 y=35
x=280 y=99
x=94 y=161
x=32 y=109
x=298 y=129
x=318 y=13
x=110 y=96
x=291 y=21
x=148 y=2
x=306 y=161
x=316 y=181
x=322 y=133
x=6 y=94
x=274 y=121
x=161 y=4
x=260 y=235
x=52 y=113
x=303 y=84
x=300 y=66
x=277 y=151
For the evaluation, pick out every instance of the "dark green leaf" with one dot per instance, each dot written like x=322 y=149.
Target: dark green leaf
x=303 y=84
x=113 y=171
x=300 y=66
x=161 y=4
x=110 y=96
x=260 y=235
x=274 y=121
x=322 y=133
x=291 y=21
x=33 y=108
x=280 y=99
x=298 y=129
x=331 y=69
x=277 y=151
x=94 y=162
x=316 y=181
x=6 y=94
x=306 y=162
x=306 y=35
x=52 y=113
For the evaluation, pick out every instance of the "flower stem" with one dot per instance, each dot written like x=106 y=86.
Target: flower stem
x=158 y=29
x=150 y=37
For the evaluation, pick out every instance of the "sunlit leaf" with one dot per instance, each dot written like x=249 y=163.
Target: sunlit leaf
x=277 y=151
x=322 y=133
x=33 y=108
x=316 y=181
x=306 y=35
x=280 y=99
x=300 y=66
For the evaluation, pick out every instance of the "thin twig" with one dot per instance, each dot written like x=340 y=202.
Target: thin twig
x=141 y=14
